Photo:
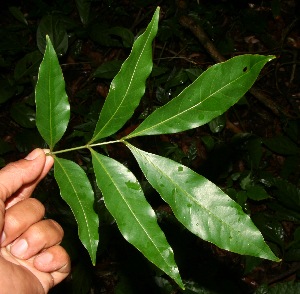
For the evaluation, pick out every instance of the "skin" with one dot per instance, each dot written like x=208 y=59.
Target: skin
x=31 y=259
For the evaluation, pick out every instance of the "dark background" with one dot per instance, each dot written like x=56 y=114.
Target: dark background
x=251 y=152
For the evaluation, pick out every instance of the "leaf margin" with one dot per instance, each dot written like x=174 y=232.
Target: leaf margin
x=175 y=275
x=136 y=150
x=139 y=131
x=90 y=246
x=39 y=101
x=99 y=132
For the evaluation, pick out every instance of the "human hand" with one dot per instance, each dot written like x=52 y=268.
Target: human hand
x=31 y=260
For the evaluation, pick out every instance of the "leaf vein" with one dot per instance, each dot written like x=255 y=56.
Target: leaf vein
x=133 y=214
x=190 y=196
x=129 y=85
x=134 y=134
x=80 y=203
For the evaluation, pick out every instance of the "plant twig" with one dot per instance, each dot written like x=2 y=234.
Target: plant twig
x=88 y=146
x=200 y=34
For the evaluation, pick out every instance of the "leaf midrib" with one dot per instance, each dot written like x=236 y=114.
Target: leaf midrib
x=130 y=82
x=187 y=194
x=81 y=206
x=120 y=192
x=50 y=100
x=135 y=134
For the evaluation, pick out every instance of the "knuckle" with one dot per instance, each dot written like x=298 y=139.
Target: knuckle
x=4 y=191
x=57 y=227
x=35 y=206
x=12 y=222
x=2 y=207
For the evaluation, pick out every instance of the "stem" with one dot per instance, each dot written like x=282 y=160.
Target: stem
x=105 y=143
x=85 y=146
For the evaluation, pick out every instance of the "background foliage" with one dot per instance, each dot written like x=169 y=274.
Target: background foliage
x=251 y=152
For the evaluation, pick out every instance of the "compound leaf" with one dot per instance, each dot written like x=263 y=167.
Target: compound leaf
x=210 y=95
x=202 y=207
x=128 y=86
x=76 y=190
x=52 y=105
x=136 y=219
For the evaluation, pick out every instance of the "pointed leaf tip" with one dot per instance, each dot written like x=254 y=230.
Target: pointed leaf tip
x=52 y=105
x=202 y=207
x=210 y=95
x=76 y=190
x=128 y=86
x=136 y=220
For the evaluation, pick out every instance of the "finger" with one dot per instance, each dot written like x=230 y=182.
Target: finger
x=17 y=277
x=39 y=236
x=22 y=172
x=49 y=268
x=26 y=190
x=54 y=260
x=20 y=217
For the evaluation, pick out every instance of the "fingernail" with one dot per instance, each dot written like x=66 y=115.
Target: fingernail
x=49 y=158
x=3 y=237
x=46 y=151
x=44 y=258
x=33 y=154
x=19 y=248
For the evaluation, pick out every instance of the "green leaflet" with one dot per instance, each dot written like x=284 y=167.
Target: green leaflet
x=202 y=207
x=128 y=86
x=108 y=70
x=124 y=198
x=53 y=26
x=288 y=287
x=83 y=7
x=77 y=191
x=210 y=95
x=28 y=65
x=52 y=105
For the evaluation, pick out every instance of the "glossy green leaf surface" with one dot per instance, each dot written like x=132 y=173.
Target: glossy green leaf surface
x=290 y=287
x=16 y=12
x=128 y=86
x=124 y=198
x=83 y=7
x=23 y=115
x=108 y=70
x=282 y=145
x=52 y=105
x=76 y=190
x=111 y=36
x=7 y=90
x=125 y=34
x=270 y=227
x=202 y=207
x=28 y=65
x=217 y=124
x=52 y=26
x=210 y=95
x=257 y=193
x=287 y=193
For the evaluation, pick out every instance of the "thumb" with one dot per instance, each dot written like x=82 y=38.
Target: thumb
x=17 y=174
